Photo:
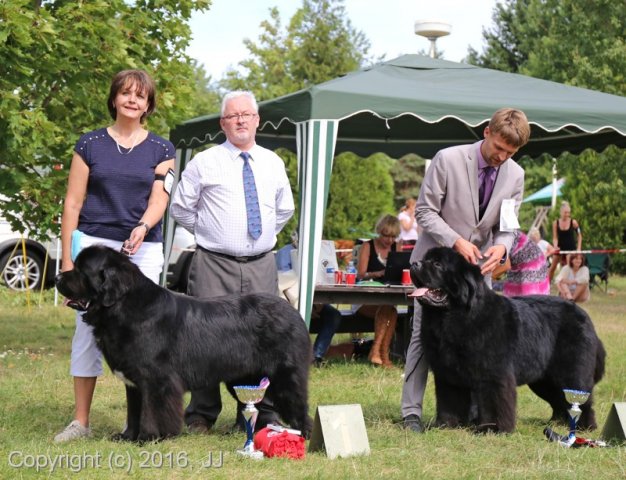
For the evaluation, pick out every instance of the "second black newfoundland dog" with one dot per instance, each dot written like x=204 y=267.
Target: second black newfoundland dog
x=162 y=343
x=482 y=345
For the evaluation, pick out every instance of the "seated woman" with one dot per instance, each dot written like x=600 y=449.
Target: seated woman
x=573 y=279
x=371 y=266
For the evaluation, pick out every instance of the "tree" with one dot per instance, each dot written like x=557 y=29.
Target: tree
x=361 y=190
x=505 y=49
x=58 y=60
x=319 y=44
x=408 y=174
x=207 y=99
x=576 y=42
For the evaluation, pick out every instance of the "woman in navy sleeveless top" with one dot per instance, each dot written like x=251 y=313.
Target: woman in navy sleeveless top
x=566 y=236
x=116 y=196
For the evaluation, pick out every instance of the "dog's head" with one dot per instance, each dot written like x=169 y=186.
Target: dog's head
x=101 y=276
x=445 y=279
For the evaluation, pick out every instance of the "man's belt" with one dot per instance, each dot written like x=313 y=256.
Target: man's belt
x=251 y=258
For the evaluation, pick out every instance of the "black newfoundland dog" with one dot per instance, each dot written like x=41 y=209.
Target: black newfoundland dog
x=482 y=345
x=163 y=344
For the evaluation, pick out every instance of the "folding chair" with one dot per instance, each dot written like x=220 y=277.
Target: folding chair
x=598 y=264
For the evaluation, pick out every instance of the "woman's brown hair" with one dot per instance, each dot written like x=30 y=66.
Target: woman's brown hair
x=127 y=78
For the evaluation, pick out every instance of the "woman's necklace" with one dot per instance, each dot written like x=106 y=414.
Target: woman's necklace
x=134 y=138
x=379 y=252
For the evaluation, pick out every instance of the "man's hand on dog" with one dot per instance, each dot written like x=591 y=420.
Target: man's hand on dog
x=494 y=255
x=472 y=254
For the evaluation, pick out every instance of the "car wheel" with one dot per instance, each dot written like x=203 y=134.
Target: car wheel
x=17 y=275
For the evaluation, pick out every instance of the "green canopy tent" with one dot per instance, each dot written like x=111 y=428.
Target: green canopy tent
x=411 y=104
x=546 y=195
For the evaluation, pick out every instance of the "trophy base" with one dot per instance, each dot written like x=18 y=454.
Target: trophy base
x=255 y=454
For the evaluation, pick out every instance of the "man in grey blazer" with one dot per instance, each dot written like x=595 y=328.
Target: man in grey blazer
x=459 y=206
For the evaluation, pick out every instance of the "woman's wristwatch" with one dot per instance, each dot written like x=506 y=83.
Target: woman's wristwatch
x=144 y=225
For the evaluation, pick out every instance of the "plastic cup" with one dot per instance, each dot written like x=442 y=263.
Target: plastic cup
x=350 y=278
x=406 y=277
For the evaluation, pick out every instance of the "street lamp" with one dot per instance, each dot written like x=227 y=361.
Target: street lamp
x=432 y=30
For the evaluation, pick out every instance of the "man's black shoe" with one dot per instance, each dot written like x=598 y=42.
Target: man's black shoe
x=318 y=362
x=413 y=423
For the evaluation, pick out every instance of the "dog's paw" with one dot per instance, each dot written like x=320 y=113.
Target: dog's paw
x=148 y=437
x=492 y=428
x=123 y=437
x=448 y=421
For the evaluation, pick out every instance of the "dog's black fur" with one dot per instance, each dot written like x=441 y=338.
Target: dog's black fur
x=481 y=345
x=165 y=343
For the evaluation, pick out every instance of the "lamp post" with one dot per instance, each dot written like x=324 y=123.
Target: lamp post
x=554 y=183
x=432 y=30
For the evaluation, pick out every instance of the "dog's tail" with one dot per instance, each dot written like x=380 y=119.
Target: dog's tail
x=600 y=359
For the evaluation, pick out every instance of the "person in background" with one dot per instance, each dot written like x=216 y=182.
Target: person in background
x=573 y=279
x=566 y=236
x=535 y=235
x=408 y=225
x=528 y=272
x=329 y=316
x=235 y=198
x=330 y=319
x=116 y=195
x=371 y=266
x=460 y=204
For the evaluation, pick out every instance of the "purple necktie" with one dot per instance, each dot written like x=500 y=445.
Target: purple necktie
x=485 y=189
x=252 y=199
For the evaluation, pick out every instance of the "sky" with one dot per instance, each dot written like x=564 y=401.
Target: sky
x=218 y=33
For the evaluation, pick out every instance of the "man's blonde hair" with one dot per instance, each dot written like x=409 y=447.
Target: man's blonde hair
x=512 y=125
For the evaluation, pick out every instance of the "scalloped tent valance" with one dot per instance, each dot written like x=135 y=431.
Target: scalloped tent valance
x=415 y=104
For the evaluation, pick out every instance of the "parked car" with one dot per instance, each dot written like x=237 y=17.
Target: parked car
x=183 y=247
x=19 y=271
x=18 y=274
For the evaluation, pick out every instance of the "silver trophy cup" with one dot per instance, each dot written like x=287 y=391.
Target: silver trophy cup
x=575 y=398
x=250 y=395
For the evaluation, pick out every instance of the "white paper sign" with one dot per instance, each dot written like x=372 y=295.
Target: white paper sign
x=508 y=219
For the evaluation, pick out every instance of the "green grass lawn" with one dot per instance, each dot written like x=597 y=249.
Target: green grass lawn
x=36 y=401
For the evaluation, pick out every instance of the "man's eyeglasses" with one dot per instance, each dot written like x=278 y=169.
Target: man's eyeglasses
x=245 y=117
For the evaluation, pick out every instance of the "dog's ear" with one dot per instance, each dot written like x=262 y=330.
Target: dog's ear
x=114 y=286
x=414 y=273
x=462 y=281
x=467 y=287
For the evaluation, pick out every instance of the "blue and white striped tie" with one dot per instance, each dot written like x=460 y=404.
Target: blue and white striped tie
x=252 y=198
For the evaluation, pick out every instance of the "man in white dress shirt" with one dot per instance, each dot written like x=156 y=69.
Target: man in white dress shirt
x=231 y=257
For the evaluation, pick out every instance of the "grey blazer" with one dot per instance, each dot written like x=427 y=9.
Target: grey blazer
x=447 y=207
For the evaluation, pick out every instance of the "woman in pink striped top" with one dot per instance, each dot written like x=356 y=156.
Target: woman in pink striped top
x=529 y=270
